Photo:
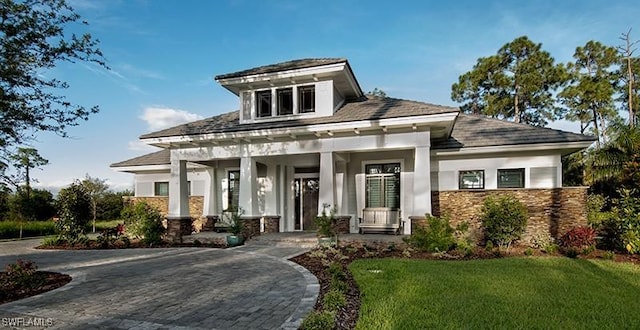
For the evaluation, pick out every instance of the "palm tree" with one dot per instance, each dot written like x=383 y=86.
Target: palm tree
x=618 y=162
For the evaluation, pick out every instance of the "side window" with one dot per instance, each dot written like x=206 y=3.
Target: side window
x=471 y=179
x=233 y=188
x=511 y=178
x=161 y=188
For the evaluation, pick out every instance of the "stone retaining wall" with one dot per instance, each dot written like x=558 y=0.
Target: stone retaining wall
x=552 y=212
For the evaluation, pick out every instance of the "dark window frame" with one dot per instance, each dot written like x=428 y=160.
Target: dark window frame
x=157 y=188
x=462 y=185
x=307 y=94
x=283 y=100
x=263 y=111
x=505 y=171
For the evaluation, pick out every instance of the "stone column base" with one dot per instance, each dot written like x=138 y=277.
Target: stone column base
x=178 y=227
x=210 y=223
x=271 y=223
x=342 y=224
x=250 y=226
x=417 y=221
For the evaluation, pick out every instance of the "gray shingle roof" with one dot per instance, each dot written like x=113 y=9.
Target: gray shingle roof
x=161 y=157
x=366 y=108
x=284 y=66
x=479 y=131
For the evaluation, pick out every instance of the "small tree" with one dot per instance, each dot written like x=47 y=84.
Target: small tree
x=74 y=211
x=504 y=219
x=96 y=188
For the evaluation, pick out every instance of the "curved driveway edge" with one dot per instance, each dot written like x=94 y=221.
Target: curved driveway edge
x=183 y=288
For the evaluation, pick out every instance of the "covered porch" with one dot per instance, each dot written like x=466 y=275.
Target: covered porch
x=283 y=186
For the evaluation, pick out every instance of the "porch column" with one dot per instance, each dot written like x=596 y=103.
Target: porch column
x=210 y=203
x=248 y=199
x=327 y=193
x=179 y=220
x=178 y=190
x=421 y=185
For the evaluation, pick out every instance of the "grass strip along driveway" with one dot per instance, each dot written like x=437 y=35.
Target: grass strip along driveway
x=533 y=292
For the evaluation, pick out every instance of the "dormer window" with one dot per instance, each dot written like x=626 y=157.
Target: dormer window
x=264 y=103
x=306 y=99
x=285 y=101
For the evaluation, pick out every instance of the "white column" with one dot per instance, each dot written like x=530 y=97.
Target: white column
x=248 y=186
x=327 y=193
x=341 y=188
x=178 y=190
x=210 y=206
x=421 y=183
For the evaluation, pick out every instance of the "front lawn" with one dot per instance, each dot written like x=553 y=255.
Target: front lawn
x=507 y=293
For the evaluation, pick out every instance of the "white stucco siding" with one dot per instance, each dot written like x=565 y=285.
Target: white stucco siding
x=324 y=98
x=541 y=171
x=144 y=182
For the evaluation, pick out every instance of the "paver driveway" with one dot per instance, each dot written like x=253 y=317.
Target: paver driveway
x=190 y=288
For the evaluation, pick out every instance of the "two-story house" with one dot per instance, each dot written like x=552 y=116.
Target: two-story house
x=306 y=135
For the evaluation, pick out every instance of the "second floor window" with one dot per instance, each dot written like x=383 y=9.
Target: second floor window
x=306 y=99
x=285 y=101
x=263 y=100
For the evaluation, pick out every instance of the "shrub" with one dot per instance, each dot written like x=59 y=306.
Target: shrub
x=504 y=219
x=22 y=274
x=325 y=221
x=319 y=321
x=74 y=211
x=144 y=221
x=435 y=236
x=333 y=300
x=609 y=255
x=579 y=238
x=338 y=285
x=109 y=236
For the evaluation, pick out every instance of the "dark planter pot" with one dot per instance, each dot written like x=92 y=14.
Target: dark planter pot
x=234 y=240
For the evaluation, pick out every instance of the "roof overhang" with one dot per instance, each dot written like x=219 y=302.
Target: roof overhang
x=439 y=124
x=340 y=73
x=564 y=147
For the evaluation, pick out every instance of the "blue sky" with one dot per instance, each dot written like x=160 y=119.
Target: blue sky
x=164 y=54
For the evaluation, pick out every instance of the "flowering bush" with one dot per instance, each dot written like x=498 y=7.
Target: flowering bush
x=579 y=238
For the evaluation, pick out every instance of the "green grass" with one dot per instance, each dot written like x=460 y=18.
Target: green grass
x=11 y=229
x=509 y=293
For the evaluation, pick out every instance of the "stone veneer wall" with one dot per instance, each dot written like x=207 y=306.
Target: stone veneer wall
x=341 y=225
x=552 y=212
x=162 y=204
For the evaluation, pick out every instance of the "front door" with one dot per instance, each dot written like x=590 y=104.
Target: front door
x=306 y=203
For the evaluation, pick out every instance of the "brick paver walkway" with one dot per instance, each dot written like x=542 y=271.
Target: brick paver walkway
x=177 y=288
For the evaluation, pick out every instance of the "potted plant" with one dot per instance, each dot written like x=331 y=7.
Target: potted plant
x=326 y=226
x=235 y=228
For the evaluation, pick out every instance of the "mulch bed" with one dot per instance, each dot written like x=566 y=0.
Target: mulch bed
x=50 y=281
x=347 y=317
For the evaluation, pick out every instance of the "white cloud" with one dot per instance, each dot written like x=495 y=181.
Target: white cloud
x=159 y=118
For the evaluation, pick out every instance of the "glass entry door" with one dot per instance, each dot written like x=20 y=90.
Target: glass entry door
x=306 y=203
